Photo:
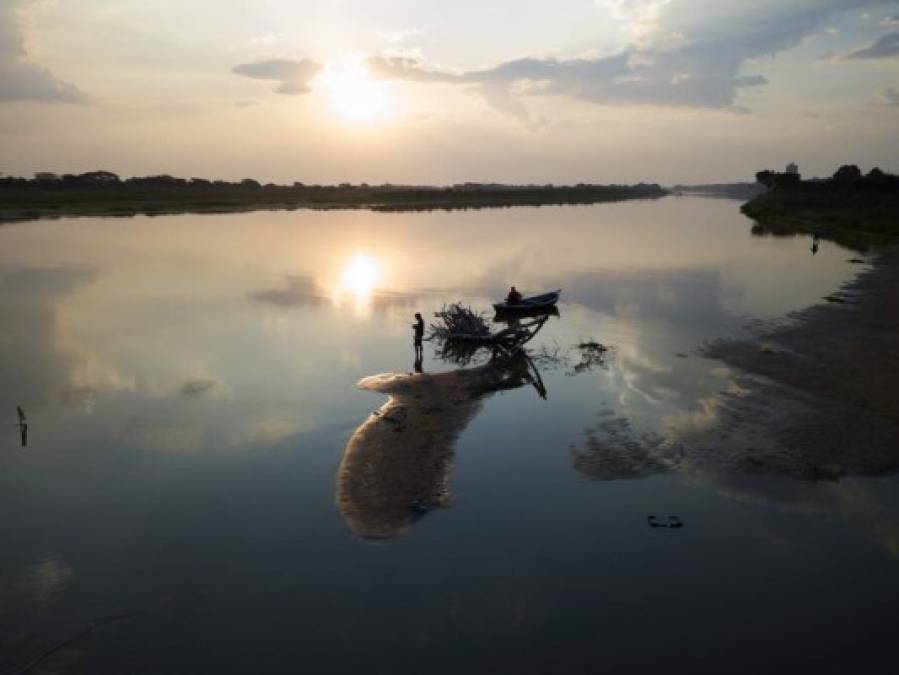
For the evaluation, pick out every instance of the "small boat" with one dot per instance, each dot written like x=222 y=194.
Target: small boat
x=534 y=303
x=506 y=316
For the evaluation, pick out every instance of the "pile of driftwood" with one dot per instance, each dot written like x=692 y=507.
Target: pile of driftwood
x=462 y=333
x=458 y=322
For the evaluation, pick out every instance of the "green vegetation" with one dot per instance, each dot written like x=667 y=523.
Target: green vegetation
x=849 y=207
x=101 y=193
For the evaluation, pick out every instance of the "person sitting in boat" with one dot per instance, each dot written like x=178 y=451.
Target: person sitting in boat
x=514 y=297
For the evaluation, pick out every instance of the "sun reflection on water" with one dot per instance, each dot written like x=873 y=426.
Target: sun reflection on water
x=358 y=281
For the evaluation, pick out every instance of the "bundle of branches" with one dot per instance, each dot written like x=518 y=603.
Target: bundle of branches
x=462 y=333
x=457 y=322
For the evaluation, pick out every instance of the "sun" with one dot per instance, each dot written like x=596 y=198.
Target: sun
x=353 y=94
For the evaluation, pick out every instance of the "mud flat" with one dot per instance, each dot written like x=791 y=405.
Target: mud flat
x=824 y=385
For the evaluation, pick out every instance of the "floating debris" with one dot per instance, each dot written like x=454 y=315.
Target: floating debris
x=23 y=426
x=673 y=522
x=826 y=472
x=89 y=628
x=593 y=355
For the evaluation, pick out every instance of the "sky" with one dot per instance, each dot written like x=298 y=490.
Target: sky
x=446 y=91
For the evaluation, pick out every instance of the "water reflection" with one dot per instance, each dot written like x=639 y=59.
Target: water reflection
x=359 y=280
x=296 y=291
x=397 y=464
x=360 y=276
x=362 y=298
x=613 y=450
x=190 y=382
x=33 y=369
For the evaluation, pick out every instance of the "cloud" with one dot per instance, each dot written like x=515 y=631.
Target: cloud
x=293 y=76
x=677 y=79
x=20 y=79
x=890 y=96
x=689 y=55
x=890 y=21
x=200 y=385
x=399 y=36
x=264 y=40
x=885 y=47
x=640 y=18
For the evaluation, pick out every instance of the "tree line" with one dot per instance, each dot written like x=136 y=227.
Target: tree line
x=848 y=178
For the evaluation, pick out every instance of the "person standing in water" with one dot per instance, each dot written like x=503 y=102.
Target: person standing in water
x=418 y=334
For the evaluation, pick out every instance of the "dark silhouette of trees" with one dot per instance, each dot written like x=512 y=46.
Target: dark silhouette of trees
x=775 y=180
x=766 y=178
x=104 y=191
x=846 y=174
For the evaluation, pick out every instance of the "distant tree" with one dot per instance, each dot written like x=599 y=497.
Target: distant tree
x=848 y=173
x=879 y=181
x=46 y=177
x=766 y=178
x=250 y=183
x=199 y=182
x=99 y=178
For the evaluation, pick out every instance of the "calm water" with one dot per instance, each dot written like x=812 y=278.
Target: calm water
x=190 y=387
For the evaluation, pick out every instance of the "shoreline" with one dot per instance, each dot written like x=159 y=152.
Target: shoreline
x=30 y=215
x=27 y=204
x=823 y=385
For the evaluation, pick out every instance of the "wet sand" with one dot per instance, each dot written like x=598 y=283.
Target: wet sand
x=823 y=385
x=397 y=464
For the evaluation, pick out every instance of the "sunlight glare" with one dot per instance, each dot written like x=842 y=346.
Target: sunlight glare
x=360 y=276
x=353 y=94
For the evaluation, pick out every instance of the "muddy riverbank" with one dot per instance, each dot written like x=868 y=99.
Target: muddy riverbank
x=823 y=383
